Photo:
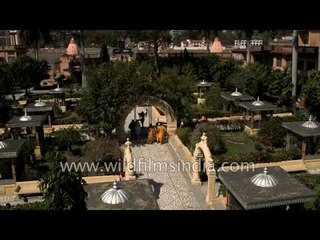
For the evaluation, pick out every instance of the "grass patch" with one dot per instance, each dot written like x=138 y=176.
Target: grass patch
x=238 y=142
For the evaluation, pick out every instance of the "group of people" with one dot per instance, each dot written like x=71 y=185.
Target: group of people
x=153 y=134
x=157 y=134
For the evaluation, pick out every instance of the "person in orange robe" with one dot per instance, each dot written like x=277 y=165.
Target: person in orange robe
x=151 y=134
x=161 y=134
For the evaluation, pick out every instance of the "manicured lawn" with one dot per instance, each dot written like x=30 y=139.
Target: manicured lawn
x=238 y=142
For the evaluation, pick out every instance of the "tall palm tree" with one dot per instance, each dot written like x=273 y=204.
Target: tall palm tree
x=35 y=37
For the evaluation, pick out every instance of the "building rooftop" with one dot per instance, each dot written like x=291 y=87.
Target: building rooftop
x=48 y=107
x=12 y=148
x=142 y=196
x=266 y=106
x=36 y=121
x=298 y=128
x=288 y=189
x=244 y=97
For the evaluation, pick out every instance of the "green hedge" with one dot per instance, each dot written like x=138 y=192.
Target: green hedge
x=261 y=157
x=198 y=111
x=184 y=135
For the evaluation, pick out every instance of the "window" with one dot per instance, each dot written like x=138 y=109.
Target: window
x=11 y=59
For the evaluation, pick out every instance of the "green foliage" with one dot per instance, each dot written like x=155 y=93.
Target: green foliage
x=272 y=134
x=28 y=72
x=280 y=87
x=66 y=137
x=63 y=190
x=198 y=111
x=213 y=99
x=110 y=88
x=104 y=54
x=67 y=118
x=7 y=86
x=184 y=134
x=260 y=156
x=114 y=86
x=26 y=206
x=175 y=90
x=215 y=143
x=253 y=79
x=311 y=91
x=313 y=182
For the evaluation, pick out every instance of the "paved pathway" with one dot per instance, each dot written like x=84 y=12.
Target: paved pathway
x=176 y=193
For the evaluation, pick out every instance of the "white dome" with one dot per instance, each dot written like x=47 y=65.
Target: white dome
x=39 y=103
x=258 y=102
x=236 y=93
x=3 y=145
x=264 y=179
x=57 y=89
x=26 y=117
x=115 y=195
x=310 y=123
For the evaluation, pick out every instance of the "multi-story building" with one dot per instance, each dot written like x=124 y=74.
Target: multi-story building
x=278 y=53
x=10 y=45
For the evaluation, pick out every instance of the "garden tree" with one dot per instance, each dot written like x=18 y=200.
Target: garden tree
x=104 y=149
x=205 y=67
x=111 y=87
x=28 y=72
x=7 y=85
x=223 y=69
x=313 y=182
x=156 y=39
x=62 y=190
x=311 y=91
x=66 y=137
x=252 y=79
x=175 y=89
x=272 y=134
x=279 y=89
x=104 y=54
x=213 y=98
x=215 y=143
x=35 y=38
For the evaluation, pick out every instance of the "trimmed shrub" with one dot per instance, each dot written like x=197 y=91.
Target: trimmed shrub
x=184 y=135
x=215 y=143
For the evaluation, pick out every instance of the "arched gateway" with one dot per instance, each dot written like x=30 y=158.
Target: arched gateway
x=148 y=101
x=202 y=150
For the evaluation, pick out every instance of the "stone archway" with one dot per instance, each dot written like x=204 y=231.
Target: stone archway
x=145 y=101
x=202 y=147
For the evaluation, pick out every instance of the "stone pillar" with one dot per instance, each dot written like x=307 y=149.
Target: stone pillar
x=288 y=140
x=49 y=119
x=129 y=174
x=13 y=168
x=303 y=150
x=211 y=190
x=196 y=167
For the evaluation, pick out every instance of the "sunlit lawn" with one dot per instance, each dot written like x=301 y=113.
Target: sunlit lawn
x=238 y=142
